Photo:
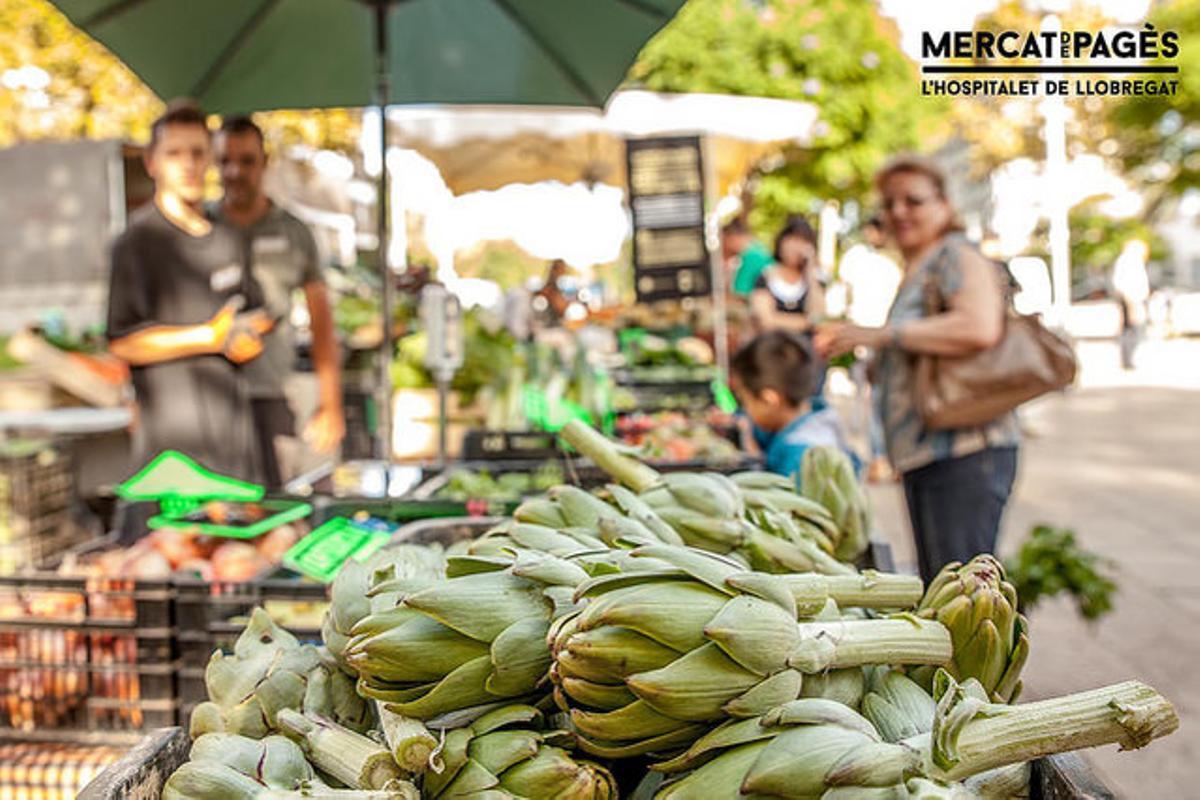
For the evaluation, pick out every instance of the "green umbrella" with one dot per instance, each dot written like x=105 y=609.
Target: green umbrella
x=249 y=55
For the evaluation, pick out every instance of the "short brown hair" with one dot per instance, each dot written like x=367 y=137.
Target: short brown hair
x=778 y=360
x=913 y=164
x=178 y=112
x=242 y=124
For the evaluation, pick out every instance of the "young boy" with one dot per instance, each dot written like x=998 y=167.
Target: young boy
x=773 y=377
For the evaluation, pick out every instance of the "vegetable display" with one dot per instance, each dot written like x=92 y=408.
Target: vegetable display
x=664 y=637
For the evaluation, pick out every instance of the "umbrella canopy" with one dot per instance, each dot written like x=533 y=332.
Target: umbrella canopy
x=250 y=55
x=484 y=148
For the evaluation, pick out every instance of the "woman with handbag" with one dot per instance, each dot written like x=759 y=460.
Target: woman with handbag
x=949 y=307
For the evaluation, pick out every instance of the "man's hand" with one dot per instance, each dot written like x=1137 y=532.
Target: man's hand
x=325 y=431
x=236 y=336
x=258 y=321
x=242 y=345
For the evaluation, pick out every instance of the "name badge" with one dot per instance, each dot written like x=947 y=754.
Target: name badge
x=226 y=278
x=270 y=245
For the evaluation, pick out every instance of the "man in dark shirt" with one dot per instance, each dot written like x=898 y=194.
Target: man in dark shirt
x=174 y=312
x=282 y=255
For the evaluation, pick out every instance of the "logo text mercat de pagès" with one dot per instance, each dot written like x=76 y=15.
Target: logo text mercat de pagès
x=1145 y=43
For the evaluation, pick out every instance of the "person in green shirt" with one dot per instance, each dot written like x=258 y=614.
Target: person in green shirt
x=745 y=256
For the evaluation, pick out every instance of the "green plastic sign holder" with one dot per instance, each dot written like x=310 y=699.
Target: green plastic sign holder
x=282 y=512
x=180 y=485
x=321 y=554
x=723 y=397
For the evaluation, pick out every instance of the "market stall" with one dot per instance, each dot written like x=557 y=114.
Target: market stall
x=700 y=632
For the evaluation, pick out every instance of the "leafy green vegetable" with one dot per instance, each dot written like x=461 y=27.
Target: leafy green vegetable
x=465 y=484
x=1051 y=562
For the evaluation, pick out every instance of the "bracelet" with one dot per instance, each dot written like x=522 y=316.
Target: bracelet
x=895 y=341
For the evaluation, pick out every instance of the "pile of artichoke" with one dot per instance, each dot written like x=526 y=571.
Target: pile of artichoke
x=674 y=636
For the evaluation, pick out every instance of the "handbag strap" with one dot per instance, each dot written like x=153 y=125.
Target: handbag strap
x=934 y=297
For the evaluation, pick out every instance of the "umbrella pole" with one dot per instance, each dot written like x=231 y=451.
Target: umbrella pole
x=716 y=262
x=387 y=347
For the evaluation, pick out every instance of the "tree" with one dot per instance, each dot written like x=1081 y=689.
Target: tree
x=1096 y=241
x=838 y=54
x=56 y=82
x=502 y=262
x=1157 y=139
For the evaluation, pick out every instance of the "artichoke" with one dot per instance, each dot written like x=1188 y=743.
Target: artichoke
x=768 y=492
x=708 y=511
x=828 y=477
x=509 y=538
x=359 y=588
x=470 y=640
x=659 y=655
x=500 y=756
x=270 y=670
x=231 y=766
x=821 y=749
x=569 y=507
x=896 y=706
x=979 y=607
x=378 y=585
x=210 y=780
x=808 y=748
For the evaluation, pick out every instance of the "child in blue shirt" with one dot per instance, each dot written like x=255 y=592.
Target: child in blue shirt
x=773 y=377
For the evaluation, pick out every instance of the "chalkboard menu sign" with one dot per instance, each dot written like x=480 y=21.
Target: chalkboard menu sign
x=666 y=193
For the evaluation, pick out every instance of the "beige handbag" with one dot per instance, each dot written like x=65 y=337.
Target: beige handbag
x=973 y=390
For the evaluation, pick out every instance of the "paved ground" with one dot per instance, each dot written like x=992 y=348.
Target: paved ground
x=1118 y=460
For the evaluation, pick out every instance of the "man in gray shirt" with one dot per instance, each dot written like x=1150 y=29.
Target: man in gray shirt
x=283 y=257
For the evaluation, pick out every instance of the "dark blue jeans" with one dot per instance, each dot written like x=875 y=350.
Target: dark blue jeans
x=955 y=506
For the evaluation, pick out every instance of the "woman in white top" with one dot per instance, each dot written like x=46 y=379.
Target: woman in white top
x=788 y=295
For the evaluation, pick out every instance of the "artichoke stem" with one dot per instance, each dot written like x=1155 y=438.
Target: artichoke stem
x=350 y=757
x=399 y=790
x=878 y=590
x=409 y=740
x=605 y=454
x=1130 y=714
x=856 y=643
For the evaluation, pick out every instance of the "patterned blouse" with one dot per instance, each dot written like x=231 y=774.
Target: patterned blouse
x=909 y=444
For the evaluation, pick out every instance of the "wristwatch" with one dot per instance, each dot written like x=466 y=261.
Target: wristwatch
x=895 y=338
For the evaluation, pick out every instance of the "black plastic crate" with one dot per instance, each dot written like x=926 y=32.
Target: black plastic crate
x=85 y=658
x=35 y=478
x=210 y=615
x=390 y=510
x=37 y=487
x=487 y=445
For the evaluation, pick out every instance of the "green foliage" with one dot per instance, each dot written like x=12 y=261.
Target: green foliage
x=7 y=361
x=464 y=484
x=1096 y=241
x=1158 y=137
x=1051 y=562
x=503 y=263
x=488 y=352
x=840 y=55
x=93 y=95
